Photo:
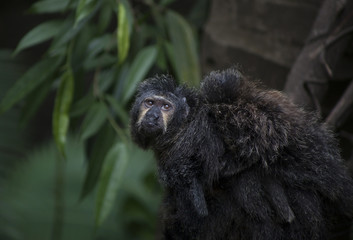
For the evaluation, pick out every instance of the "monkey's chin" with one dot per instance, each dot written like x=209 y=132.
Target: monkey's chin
x=151 y=130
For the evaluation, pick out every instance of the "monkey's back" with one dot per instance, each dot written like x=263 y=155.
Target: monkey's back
x=282 y=166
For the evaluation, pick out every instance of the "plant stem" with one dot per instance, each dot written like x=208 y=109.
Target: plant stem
x=59 y=201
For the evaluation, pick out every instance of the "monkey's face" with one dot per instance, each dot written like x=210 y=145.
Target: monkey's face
x=154 y=115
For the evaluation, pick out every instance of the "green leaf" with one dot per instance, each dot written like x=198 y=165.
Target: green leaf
x=68 y=32
x=161 y=56
x=29 y=82
x=106 y=78
x=99 y=44
x=61 y=118
x=105 y=60
x=57 y=47
x=105 y=16
x=185 y=55
x=128 y=11
x=102 y=143
x=94 y=120
x=34 y=101
x=110 y=180
x=49 y=6
x=138 y=70
x=81 y=106
x=84 y=8
x=123 y=33
x=118 y=109
x=199 y=13
x=39 y=34
x=170 y=53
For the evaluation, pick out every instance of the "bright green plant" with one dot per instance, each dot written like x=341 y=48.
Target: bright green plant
x=99 y=50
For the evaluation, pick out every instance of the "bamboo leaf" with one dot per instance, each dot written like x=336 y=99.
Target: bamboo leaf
x=39 y=34
x=110 y=180
x=61 y=118
x=29 y=81
x=123 y=33
x=138 y=70
x=186 y=60
x=94 y=120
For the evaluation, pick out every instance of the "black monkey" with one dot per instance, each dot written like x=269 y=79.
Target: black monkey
x=240 y=162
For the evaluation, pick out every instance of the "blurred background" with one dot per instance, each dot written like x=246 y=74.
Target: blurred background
x=69 y=70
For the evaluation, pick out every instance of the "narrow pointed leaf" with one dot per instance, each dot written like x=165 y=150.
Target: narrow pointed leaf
x=123 y=33
x=105 y=16
x=105 y=60
x=36 y=75
x=84 y=8
x=98 y=45
x=110 y=180
x=185 y=55
x=140 y=67
x=61 y=118
x=94 y=120
x=102 y=143
x=81 y=106
x=39 y=34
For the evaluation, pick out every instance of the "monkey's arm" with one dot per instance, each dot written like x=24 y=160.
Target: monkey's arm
x=187 y=187
x=193 y=163
x=198 y=198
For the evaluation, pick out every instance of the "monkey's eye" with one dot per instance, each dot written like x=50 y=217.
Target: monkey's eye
x=166 y=107
x=149 y=103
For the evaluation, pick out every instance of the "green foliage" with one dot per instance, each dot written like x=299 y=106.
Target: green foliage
x=39 y=73
x=110 y=180
x=140 y=66
x=29 y=197
x=98 y=51
x=183 y=49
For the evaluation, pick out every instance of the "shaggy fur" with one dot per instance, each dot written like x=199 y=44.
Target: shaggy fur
x=241 y=162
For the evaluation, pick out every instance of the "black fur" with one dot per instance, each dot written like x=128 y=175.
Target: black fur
x=241 y=162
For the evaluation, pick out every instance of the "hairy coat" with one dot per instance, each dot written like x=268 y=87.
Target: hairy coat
x=241 y=162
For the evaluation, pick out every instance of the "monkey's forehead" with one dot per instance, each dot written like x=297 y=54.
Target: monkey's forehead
x=159 y=97
x=168 y=96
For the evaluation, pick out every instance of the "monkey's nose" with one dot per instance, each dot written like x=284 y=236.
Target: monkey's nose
x=155 y=116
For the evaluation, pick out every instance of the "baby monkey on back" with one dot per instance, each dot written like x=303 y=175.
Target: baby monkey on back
x=240 y=162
